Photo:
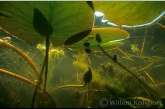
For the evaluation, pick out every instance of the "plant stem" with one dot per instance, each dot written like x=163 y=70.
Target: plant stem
x=46 y=60
x=17 y=76
x=38 y=84
x=25 y=57
x=27 y=81
x=69 y=86
x=145 y=85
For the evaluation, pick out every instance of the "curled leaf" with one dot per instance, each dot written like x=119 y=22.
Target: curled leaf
x=87 y=77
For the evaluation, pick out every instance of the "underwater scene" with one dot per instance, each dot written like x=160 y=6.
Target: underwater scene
x=82 y=54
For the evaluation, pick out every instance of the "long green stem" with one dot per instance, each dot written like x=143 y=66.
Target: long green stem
x=34 y=97
x=145 y=85
x=25 y=57
x=38 y=84
x=46 y=60
x=17 y=76
x=69 y=86
x=27 y=81
x=31 y=63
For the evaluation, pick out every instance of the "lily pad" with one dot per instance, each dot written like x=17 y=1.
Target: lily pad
x=64 y=18
x=130 y=12
x=107 y=35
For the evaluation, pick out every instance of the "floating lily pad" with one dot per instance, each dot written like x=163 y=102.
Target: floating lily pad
x=66 y=19
x=130 y=12
x=106 y=34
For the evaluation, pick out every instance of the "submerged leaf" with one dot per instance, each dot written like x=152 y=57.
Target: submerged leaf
x=130 y=12
x=77 y=37
x=41 y=24
x=87 y=76
x=66 y=18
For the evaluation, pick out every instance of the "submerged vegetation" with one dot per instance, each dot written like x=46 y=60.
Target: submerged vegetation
x=73 y=63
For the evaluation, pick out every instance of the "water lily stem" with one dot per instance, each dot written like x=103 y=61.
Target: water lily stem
x=46 y=60
x=38 y=84
x=144 y=84
x=144 y=41
x=25 y=57
x=69 y=86
x=17 y=77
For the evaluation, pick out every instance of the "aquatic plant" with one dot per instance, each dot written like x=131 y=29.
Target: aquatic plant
x=134 y=48
x=32 y=23
x=151 y=91
x=87 y=77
